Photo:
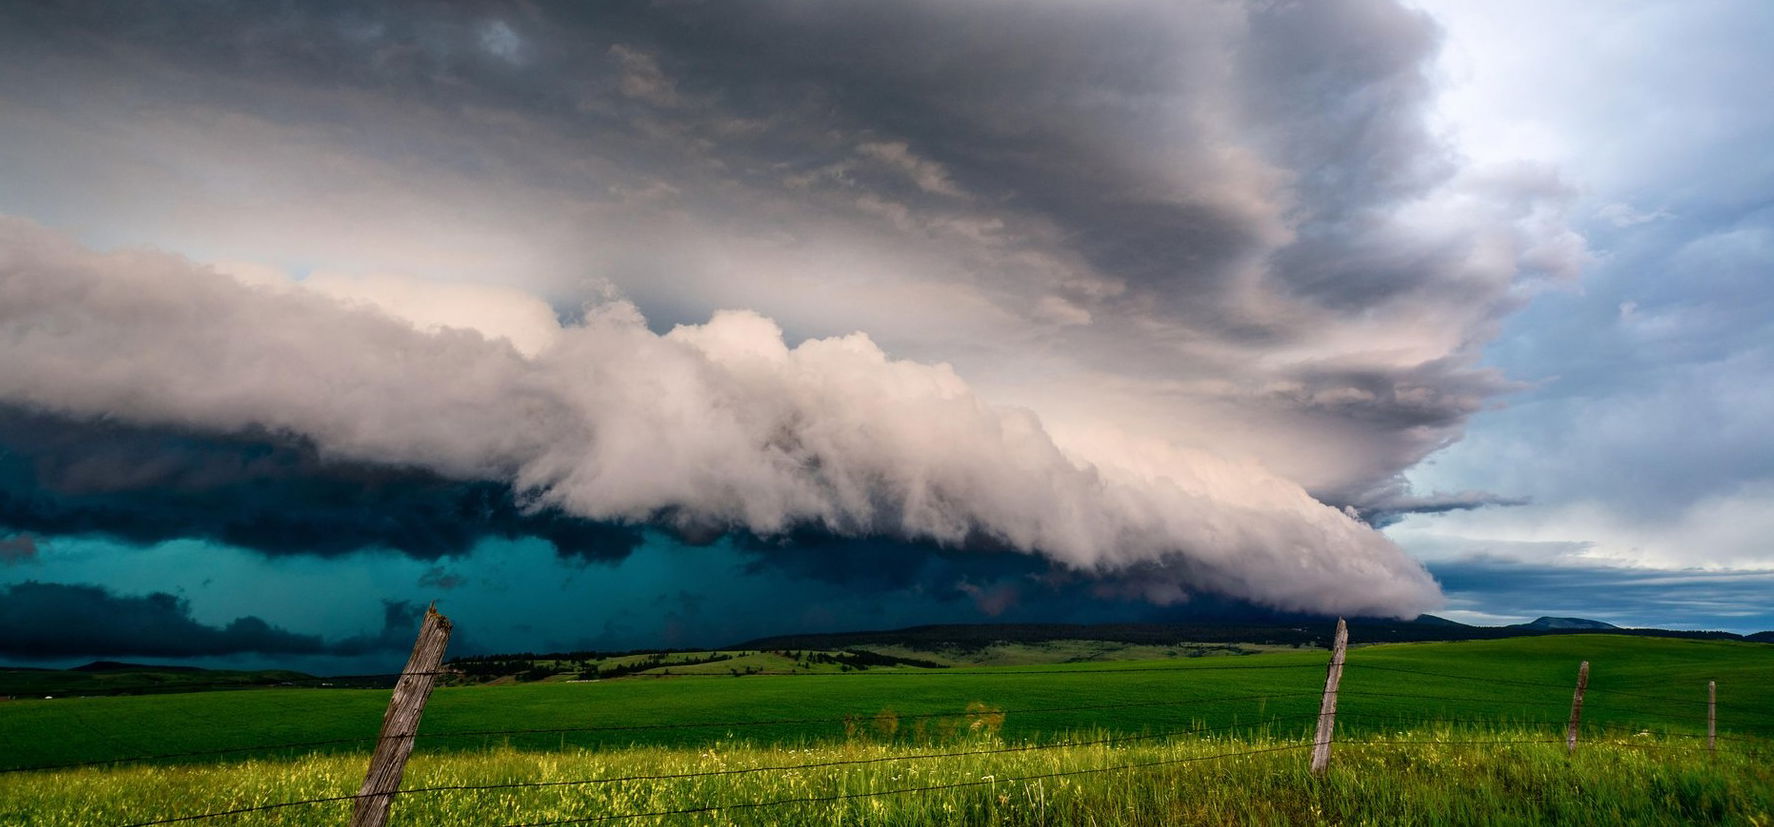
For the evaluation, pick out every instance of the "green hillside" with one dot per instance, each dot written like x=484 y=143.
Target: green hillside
x=1636 y=682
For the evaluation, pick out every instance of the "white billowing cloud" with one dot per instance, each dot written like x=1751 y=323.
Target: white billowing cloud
x=494 y=311
x=720 y=424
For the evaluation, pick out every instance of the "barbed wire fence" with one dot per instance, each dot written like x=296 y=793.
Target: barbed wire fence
x=400 y=732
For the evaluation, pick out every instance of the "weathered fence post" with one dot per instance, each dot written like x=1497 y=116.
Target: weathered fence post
x=1576 y=708
x=401 y=722
x=1712 y=717
x=1327 y=708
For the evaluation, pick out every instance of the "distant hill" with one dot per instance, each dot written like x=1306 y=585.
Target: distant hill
x=1432 y=620
x=1565 y=624
x=120 y=666
x=1761 y=637
x=974 y=636
x=116 y=678
x=1315 y=632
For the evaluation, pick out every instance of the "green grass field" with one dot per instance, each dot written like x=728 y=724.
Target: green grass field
x=1647 y=693
x=1440 y=776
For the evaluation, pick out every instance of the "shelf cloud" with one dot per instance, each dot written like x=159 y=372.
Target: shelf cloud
x=1168 y=295
x=715 y=427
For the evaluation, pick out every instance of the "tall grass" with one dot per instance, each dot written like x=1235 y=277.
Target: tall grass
x=1418 y=776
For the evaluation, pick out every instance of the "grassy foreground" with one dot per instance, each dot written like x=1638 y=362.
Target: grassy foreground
x=1438 y=776
x=1452 y=733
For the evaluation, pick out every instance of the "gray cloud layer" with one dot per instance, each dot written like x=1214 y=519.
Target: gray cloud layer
x=1214 y=246
x=1218 y=224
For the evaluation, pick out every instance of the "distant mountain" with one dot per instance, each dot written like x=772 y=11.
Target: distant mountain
x=1761 y=637
x=1432 y=620
x=1564 y=624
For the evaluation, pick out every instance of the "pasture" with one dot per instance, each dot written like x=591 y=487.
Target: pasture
x=1407 y=716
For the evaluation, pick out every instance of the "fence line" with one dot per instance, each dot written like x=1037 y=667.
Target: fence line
x=847 y=762
x=924 y=789
x=1588 y=729
x=1591 y=694
x=982 y=783
x=1359 y=666
x=1591 y=729
x=1566 y=686
x=727 y=724
x=717 y=773
x=735 y=771
x=1020 y=748
x=383 y=795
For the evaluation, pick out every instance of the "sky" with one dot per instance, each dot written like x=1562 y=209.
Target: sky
x=678 y=323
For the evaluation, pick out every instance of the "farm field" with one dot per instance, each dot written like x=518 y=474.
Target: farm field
x=1646 y=697
x=1636 y=682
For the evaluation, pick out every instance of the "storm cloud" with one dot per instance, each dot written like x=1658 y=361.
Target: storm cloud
x=55 y=620
x=1213 y=281
x=718 y=427
x=256 y=489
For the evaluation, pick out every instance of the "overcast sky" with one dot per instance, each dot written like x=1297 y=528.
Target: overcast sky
x=681 y=323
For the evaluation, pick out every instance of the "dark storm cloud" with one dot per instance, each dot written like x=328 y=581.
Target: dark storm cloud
x=1228 y=219
x=55 y=620
x=271 y=493
x=18 y=549
x=881 y=565
x=438 y=578
x=1388 y=508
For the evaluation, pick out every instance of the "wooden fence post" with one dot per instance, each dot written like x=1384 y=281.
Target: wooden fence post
x=1327 y=708
x=1712 y=717
x=401 y=722
x=1576 y=708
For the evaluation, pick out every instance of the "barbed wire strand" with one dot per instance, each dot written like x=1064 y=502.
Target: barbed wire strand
x=689 y=775
x=939 y=787
x=1599 y=690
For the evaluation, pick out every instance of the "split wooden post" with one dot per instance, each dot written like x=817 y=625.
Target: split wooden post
x=1712 y=717
x=1327 y=708
x=401 y=722
x=1576 y=708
